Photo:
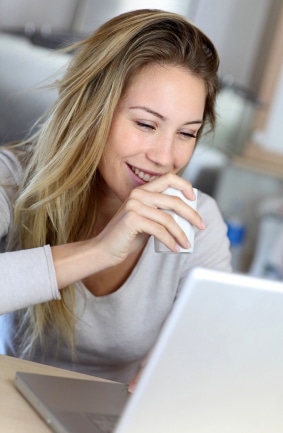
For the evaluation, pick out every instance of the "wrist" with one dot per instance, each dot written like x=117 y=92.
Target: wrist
x=76 y=261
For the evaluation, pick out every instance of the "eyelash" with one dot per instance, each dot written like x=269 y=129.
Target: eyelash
x=147 y=126
x=188 y=135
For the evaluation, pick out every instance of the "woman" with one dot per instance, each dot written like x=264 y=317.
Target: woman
x=81 y=201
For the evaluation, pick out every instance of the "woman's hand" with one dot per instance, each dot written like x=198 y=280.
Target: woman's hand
x=142 y=215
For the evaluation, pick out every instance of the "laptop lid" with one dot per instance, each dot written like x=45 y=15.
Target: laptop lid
x=217 y=365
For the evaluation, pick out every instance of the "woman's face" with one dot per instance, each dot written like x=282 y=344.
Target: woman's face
x=154 y=128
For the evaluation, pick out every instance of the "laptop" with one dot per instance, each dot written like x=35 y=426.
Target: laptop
x=217 y=367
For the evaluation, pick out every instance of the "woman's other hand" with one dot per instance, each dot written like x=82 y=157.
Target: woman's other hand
x=142 y=215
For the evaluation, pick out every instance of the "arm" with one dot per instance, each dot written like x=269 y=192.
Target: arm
x=76 y=261
x=37 y=275
x=27 y=278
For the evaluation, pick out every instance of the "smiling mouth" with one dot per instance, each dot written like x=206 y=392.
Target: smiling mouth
x=146 y=177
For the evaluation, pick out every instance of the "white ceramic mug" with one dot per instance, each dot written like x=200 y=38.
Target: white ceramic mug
x=185 y=225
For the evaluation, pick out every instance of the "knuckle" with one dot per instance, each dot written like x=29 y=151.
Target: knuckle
x=168 y=218
x=161 y=231
x=170 y=177
x=136 y=193
x=131 y=205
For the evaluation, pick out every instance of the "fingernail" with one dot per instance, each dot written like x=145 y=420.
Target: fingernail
x=188 y=244
x=202 y=225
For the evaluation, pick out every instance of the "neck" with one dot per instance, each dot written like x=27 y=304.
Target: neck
x=107 y=206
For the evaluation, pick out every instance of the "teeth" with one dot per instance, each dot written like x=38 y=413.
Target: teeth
x=144 y=176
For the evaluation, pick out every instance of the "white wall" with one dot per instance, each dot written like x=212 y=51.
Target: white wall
x=57 y=14
x=92 y=13
x=235 y=27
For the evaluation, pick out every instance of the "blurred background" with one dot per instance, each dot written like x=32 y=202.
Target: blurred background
x=240 y=165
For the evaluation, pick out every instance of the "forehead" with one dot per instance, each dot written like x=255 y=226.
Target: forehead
x=166 y=87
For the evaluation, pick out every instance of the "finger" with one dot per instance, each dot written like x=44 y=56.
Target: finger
x=156 y=222
x=161 y=183
x=168 y=202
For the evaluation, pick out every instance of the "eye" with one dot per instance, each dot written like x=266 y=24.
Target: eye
x=144 y=125
x=187 y=135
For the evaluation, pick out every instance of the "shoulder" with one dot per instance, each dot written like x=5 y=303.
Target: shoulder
x=212 y=248
x=10 y=168
x=11 y=173
x=207 y=206
x=211 y=215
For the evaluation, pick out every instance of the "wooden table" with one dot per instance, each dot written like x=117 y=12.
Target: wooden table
x=16 y=415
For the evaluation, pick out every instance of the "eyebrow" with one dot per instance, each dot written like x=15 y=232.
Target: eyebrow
x=160 y=116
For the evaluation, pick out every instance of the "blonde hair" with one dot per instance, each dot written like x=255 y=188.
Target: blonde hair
x=57 y=201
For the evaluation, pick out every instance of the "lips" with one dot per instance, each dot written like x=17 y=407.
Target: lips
x=143 y=175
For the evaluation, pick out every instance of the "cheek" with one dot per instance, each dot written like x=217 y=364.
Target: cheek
x=118 y=142
x=183 y=156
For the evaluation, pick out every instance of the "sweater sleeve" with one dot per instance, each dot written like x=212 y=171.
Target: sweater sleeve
x=26 y=277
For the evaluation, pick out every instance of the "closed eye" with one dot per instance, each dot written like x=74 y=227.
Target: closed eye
x=188 y=135
x=145 y=125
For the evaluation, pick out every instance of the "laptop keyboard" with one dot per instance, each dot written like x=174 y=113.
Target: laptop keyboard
x=103 y=423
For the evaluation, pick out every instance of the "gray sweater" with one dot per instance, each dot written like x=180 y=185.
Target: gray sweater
x=114 y=332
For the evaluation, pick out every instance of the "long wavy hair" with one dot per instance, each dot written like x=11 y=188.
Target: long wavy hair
x=57 y=203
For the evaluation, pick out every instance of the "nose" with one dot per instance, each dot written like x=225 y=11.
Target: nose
x=161 y=152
